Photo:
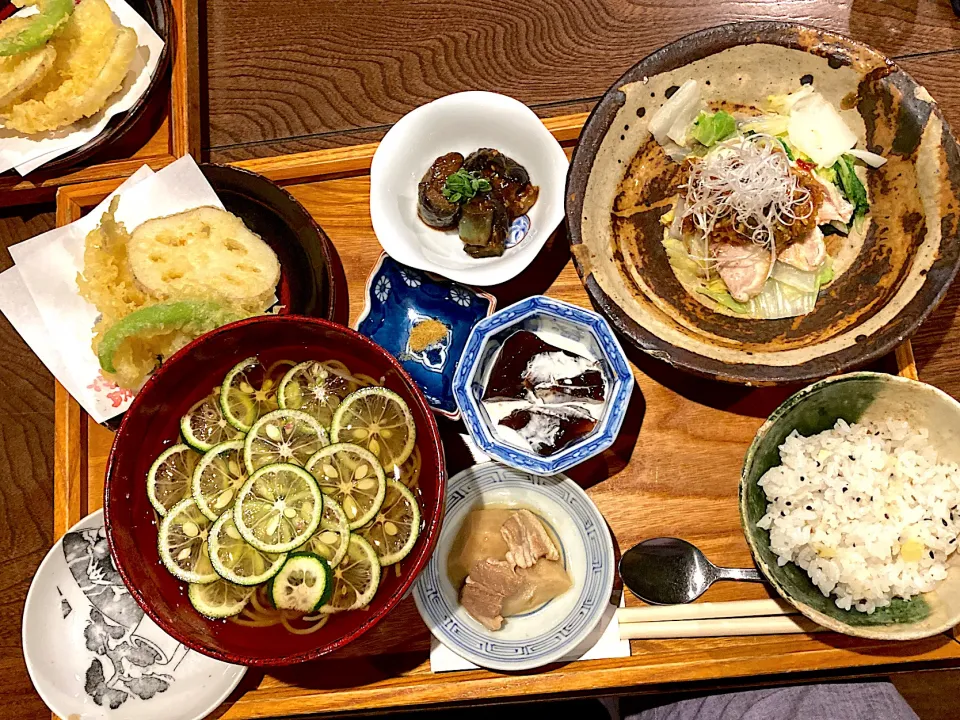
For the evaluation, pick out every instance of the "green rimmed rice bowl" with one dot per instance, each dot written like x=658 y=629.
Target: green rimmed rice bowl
x=865 y=399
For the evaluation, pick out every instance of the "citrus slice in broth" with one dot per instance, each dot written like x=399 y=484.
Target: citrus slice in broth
x=247 y=393
x=378 y=420
x=353 y=477
x=170 y=477
x=313 y=388
x=205 y=426
x=355 y=579
x=283 y=436
x=303 y=584
x=235 y=559
x=330 y=540
x=278 y=508
x=219 y=599
x=182 y=542
x=218 y=478
x=396 y=526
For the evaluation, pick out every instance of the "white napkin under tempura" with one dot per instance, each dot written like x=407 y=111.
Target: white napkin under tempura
x=40 y=298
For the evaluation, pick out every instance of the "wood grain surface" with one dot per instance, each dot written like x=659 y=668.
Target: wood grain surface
x=338 y=70
x=333 y=73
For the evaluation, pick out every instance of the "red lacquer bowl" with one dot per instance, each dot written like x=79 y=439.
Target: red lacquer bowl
x=152 y=424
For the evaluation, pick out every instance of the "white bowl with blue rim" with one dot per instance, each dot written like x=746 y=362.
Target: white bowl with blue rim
x=398 y=299
x=560 y=628
x=581 y=326
x=464 y=122
x=93 y=654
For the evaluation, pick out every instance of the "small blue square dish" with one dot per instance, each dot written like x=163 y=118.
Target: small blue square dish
x=424 y=321
x=575 y=325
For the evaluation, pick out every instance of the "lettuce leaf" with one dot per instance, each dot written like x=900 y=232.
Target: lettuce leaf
x=710 y=128
x=851 y=185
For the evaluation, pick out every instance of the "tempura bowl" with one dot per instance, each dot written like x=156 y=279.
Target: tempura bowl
x=152 y=423
x=855 y=397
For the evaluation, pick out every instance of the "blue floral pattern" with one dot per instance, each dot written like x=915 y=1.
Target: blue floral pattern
x=382 y=289
x=460 y=296
x=410 y=278
x=400 y=298
x=519 y=229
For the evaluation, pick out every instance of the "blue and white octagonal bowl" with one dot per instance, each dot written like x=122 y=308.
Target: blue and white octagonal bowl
x=560 y=628
x=540 y=313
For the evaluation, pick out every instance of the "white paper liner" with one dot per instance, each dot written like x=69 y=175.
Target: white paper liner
x=43 y=282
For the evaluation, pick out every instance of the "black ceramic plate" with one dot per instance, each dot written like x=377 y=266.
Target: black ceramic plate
x=312 y=280
x=127 y=131
x=621 y=183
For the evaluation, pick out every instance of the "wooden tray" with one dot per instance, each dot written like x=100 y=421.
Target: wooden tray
x=178 y=134
x=674 y=472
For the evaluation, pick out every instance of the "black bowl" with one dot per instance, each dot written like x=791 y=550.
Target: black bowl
x=312 y=281
x=126 y=132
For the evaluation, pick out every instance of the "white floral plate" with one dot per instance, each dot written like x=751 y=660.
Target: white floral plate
x=93 y=654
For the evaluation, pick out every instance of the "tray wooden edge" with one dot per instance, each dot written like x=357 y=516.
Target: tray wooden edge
x=70 y=470
x=182 y=122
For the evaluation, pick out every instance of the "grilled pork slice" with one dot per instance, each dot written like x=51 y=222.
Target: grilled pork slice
x=834 y=206
x=483 y=603
x=496 y=575
x=743 y=267
x=527 y=540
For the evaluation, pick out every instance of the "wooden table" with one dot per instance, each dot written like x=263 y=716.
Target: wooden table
x=339 y=72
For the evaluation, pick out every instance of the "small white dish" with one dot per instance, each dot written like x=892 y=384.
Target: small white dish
x=552 y=631
x=91 y=652
x=463 y=122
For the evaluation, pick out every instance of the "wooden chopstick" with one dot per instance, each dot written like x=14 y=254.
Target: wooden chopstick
x=770 y=625
x=702 y=611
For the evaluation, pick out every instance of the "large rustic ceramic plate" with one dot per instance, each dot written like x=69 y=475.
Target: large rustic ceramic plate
x=621 y=183
x=855 y=397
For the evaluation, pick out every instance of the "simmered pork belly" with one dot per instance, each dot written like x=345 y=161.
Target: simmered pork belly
x=527 y=540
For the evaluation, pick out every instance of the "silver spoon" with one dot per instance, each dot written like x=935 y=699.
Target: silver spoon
x=669 y=571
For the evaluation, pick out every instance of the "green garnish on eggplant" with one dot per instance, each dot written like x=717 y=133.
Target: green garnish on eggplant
x=463 y=186
x=481 y=195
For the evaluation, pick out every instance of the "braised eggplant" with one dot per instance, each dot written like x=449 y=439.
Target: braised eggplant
x=510 y=179
x=484 y=225
x=480 y=195
x=432 y=205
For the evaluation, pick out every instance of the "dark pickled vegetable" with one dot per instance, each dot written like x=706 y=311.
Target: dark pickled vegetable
x=432 y=205
x=510 y=181
x=555 y=380
x=484 y=225
x=550 y=429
